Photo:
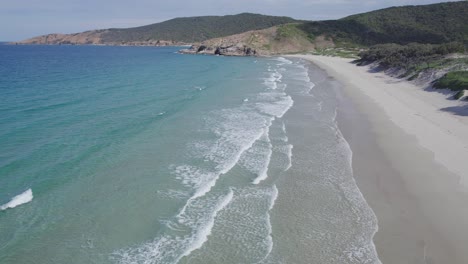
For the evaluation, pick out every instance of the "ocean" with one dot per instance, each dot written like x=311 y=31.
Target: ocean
x=143 y=155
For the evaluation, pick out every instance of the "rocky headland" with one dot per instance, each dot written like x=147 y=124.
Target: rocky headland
x=281 y=39
x=93 y=37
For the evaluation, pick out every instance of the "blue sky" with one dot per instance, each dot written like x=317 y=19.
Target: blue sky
x=20 y=19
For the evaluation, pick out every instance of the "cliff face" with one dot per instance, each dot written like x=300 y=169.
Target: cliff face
x=275 y=40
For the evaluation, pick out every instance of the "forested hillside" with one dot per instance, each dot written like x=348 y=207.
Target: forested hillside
x=435 y=24
x=192 y=29
x=171 y=32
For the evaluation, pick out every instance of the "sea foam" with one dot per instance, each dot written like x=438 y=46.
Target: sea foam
x=275 y=104
x=171 y=247
x=272 y=81
x=257 y=158
x=19 y=199
x=269 y=239
x=236 y=136
x=289 y=149
x=283 y=61
x=247 y=221
x=202 y=233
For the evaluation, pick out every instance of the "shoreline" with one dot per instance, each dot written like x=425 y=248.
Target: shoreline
x=405 y=154
x=100 y=45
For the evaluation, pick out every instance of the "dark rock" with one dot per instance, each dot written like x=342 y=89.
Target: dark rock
x=230 y=50
x=201 y=48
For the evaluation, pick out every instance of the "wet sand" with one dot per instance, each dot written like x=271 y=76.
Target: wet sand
x=408 y=163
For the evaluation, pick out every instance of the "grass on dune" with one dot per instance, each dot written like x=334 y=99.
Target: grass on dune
x=455 y=81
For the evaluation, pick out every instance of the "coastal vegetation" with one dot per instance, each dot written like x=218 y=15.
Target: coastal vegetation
x=349 y=53
x=282 y=39
x=411 y=40
x=194 y=29
x=291 y=30
x=176 y=31
x=428 y=24
x=455 y=81
x=434 y=24
x=411 y=56
x=411 y=61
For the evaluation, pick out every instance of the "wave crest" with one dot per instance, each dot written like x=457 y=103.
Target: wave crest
x=19 y=199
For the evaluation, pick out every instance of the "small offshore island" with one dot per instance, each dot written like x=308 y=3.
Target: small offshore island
x=374 y=129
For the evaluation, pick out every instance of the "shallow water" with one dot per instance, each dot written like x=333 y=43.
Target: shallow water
x=142 y=155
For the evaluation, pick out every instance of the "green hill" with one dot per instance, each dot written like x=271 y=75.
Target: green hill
x=192 y=29
x=429 y=24
x=435 y=24
x=174 y=31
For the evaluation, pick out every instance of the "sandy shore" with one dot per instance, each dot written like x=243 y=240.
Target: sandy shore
x=410 y=160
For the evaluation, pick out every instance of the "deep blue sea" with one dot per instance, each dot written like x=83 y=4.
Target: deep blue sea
x=143 y=155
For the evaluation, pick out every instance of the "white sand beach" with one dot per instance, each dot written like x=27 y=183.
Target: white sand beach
x=410 y=160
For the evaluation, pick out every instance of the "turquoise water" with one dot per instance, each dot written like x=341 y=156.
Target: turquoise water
x=143 y=155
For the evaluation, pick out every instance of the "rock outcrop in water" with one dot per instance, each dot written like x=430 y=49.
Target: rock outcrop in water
x=232 y=50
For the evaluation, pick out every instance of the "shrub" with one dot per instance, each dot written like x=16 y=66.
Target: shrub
x=455 y=81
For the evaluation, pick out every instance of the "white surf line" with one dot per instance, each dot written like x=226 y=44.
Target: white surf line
x=308 y=80
x=289 y=154
x=286 y=101
x=274 y=196
x=202 y=234
x=284 y=60
x=263 y=172
x=290 y=104
x=207 y=188
x=19 y=199
x=312 y=86
x=245 y=148
x=199 y=193
x=283 y=129
x=370 y=240
x=272 y=81
x=171 y=248
x=289 y=147
x=319 y=105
